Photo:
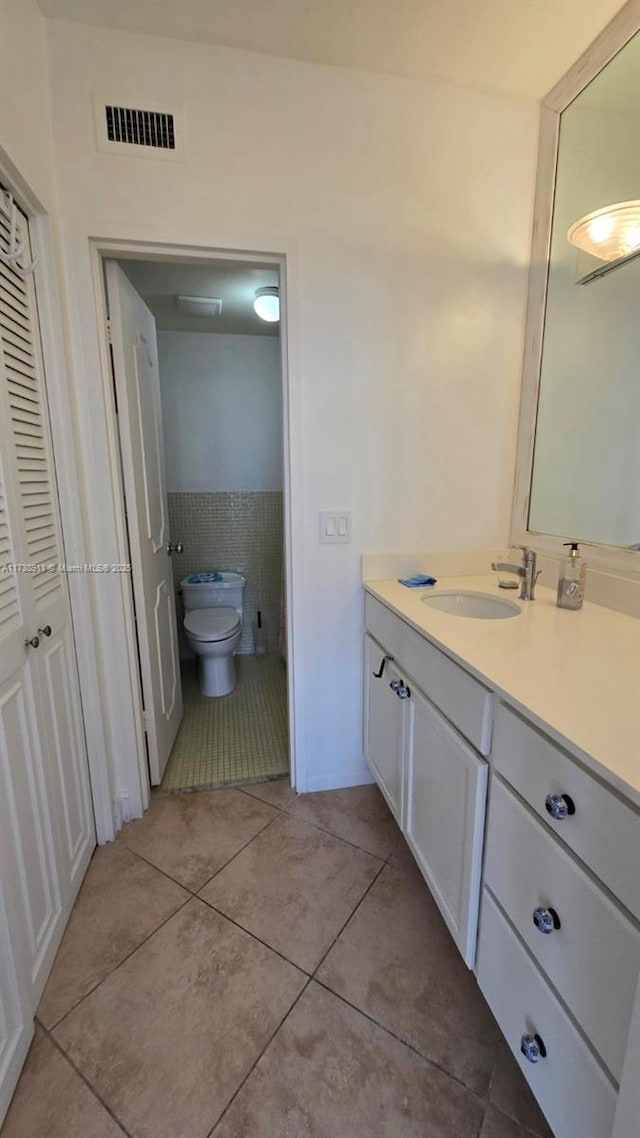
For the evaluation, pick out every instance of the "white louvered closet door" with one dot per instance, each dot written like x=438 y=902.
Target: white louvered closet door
x=46 y=820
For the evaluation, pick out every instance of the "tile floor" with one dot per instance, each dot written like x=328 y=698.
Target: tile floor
x=252 y=964
x=236 y=739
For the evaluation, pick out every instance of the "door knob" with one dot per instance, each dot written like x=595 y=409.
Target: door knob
x=46 y=631
x=395 y=685
x=32 y=642
x=177 y=548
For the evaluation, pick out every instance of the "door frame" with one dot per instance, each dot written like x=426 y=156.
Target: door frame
x=122 y=250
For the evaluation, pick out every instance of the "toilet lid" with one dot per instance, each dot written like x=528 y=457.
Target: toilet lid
x=211 y=624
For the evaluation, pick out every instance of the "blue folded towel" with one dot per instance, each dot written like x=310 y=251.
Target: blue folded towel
x=419 y=580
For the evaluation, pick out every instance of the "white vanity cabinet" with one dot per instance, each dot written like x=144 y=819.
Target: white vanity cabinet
x=434 y=782
x=544 y=901
x=444 y=818
x=385 y=725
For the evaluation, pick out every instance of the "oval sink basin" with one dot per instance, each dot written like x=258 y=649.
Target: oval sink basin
x=478 y=606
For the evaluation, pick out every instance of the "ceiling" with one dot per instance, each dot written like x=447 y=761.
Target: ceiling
x=234 y=282
x=515 y=47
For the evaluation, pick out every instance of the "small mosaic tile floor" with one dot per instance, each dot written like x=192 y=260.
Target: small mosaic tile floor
x=234 y=739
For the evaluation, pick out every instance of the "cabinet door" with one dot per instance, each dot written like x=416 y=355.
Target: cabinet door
x=446 y=799
x=384 y=732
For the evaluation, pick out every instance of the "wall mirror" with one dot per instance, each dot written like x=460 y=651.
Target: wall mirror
x=580 y=471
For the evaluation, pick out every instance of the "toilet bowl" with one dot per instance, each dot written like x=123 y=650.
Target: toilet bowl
x=213 y=604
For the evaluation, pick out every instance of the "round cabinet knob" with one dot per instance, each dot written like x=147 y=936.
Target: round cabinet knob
x=404 y=692
x=33 y=642
x=533 y=1048
x=176 y=547
x=546 y=920
x=395 y=685
x=46 y=631
x=559 y=806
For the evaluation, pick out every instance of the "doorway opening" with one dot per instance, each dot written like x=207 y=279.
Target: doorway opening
x=200 y=394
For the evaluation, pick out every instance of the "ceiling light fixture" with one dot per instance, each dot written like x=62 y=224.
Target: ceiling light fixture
x=267 y=304
x=608 y=233
x=199 y=305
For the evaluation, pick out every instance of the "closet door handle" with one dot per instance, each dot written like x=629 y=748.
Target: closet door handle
x=395 y=685
x=46 y=631
x=32 y=642
x=178 y=547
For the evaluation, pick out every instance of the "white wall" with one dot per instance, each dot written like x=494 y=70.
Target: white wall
x=221 y=410
x=25 y=118
x=404 y=212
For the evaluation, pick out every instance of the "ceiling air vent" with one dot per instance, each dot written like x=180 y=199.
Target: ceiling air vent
x=145 y=131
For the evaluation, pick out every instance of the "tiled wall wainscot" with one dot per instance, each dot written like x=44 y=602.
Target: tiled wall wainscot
x=235 y=530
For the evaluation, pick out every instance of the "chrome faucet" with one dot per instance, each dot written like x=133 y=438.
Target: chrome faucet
x=527 y=572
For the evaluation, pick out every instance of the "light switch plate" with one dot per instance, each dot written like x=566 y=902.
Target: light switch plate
x=335 y=526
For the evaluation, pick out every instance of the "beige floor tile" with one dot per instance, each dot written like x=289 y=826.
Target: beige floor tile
x=278 y=793
x=497 y=1125
x=121 y=902
x=510 y=1093
x=396 y=961
x=167 y=1039
x=52 y=1101
x=294 y=887
x=331 y=1073
x=190 y=836
x=402 y=856
x=358 y=814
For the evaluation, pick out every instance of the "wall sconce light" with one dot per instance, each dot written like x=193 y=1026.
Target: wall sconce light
x=609 y=233
x=267 y=304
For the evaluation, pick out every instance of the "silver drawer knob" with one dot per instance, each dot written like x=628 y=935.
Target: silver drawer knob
x=404 y=692
x=545 y=920
x=559 y=806
x=533 y=1048
x=395 y=685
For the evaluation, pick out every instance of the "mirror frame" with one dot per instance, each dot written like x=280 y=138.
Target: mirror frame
x=607 y=558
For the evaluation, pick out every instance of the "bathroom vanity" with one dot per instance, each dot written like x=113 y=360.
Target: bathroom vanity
x=509 y=753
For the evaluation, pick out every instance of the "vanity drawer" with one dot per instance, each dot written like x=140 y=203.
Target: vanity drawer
x=575 y=1094
x=604 y=830
x=465 y=702
x=593 y=959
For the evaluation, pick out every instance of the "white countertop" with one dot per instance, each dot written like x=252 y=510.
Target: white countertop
x=577 y=674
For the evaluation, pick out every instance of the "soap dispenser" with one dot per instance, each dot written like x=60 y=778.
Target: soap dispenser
x=573 y=571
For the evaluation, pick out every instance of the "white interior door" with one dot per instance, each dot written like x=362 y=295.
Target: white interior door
x=135 y=365
x=46 y=822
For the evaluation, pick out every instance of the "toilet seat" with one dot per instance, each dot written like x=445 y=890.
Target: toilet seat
x=211 y=624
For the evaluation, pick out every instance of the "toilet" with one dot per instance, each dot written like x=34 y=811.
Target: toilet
x=213 y=604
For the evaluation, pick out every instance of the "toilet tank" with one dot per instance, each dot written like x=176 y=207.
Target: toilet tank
x=213 y=590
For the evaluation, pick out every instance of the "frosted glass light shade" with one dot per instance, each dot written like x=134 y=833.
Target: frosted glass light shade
x=267 y=304
x=608 y=233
